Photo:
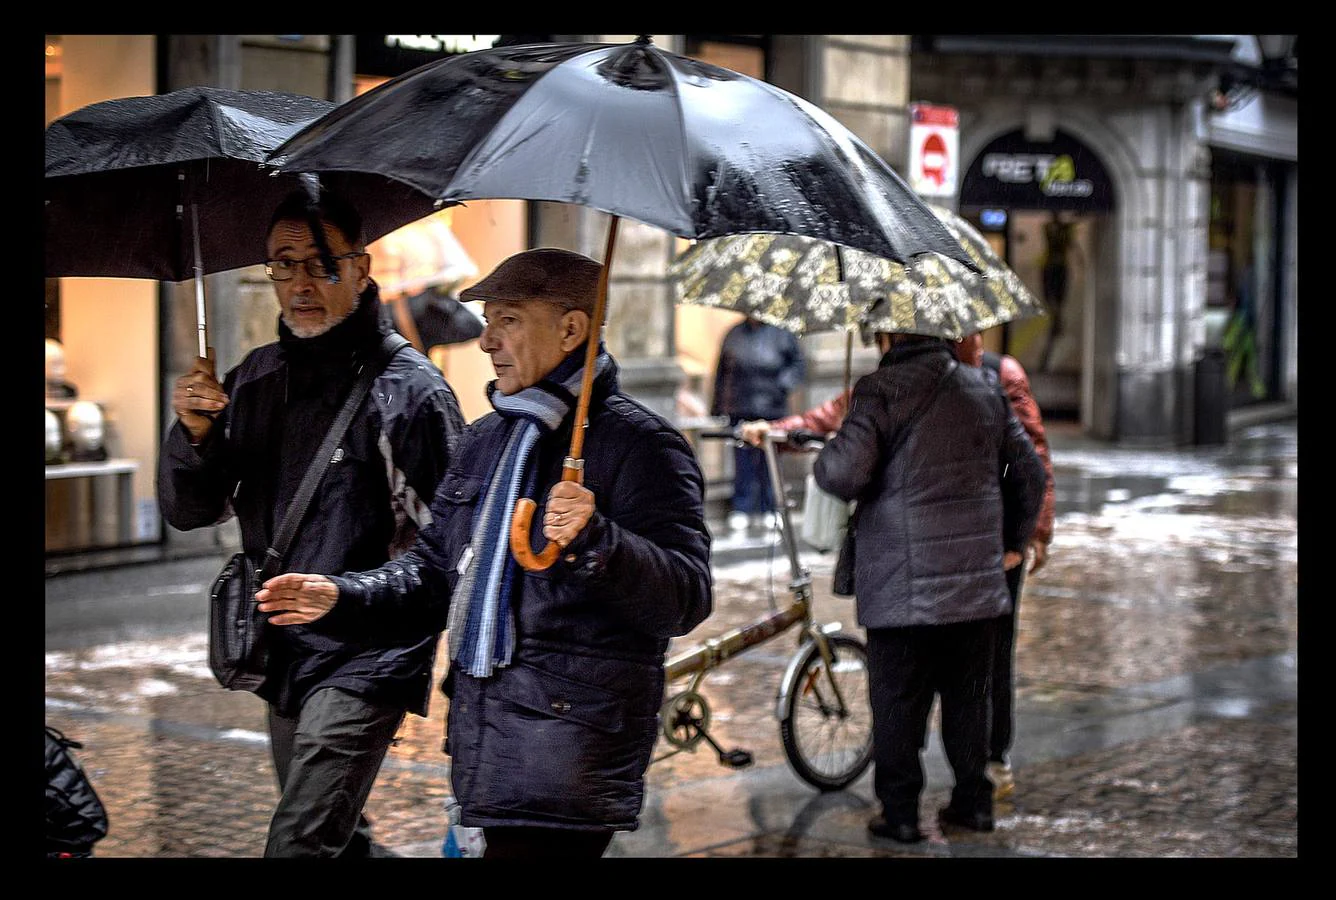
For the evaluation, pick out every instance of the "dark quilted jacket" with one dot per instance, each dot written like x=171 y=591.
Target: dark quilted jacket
x=936 y=513
x=563 y=735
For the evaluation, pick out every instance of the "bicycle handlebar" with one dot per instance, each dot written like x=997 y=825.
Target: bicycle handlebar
x=798 y=438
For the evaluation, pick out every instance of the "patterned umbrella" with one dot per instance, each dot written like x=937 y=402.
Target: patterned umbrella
x=807 y=285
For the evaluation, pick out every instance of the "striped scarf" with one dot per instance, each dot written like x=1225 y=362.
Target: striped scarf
x=481 y=626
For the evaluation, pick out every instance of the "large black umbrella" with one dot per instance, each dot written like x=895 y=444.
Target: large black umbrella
x=631 y=130
x=174 y=186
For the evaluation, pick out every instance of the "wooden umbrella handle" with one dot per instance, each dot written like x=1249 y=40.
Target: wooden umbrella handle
x=573 y=468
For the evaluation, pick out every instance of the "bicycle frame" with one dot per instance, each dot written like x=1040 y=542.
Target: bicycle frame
x=688 y=710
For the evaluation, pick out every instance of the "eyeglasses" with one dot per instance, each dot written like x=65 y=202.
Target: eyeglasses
x=285 y=269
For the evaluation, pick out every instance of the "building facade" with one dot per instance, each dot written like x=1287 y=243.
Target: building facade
x=1149 y=185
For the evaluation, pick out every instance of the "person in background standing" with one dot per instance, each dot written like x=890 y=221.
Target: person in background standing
x=1007 y=371
x=948 y=488
x=1011 y=375
x=759 y=366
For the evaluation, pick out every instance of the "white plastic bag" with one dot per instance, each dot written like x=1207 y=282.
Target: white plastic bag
x=461 y=841
x=825 y=517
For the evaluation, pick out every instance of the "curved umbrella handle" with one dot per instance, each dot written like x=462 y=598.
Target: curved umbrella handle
x=520 y=548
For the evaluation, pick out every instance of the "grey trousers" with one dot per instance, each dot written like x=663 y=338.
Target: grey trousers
x=327 y=760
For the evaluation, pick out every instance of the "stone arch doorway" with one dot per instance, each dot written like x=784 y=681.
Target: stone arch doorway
x=1046 y=204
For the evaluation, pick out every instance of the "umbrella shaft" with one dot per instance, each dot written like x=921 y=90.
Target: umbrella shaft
x=200 y=318
x=591 y=350
x=199 y=315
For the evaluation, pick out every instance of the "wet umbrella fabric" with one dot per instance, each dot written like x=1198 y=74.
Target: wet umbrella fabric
x=126 y=178
x=807 y=285
x=629 y=129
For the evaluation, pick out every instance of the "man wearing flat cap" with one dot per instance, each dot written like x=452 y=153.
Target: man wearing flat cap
x=556 y=676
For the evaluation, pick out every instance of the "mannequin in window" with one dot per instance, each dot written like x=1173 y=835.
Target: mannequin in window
x=1060 y=248
x=57 y=388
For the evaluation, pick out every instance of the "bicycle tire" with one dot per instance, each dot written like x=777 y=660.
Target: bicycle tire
x=826 y=749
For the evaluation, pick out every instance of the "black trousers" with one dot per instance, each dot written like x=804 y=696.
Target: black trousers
x=1004 y=665
x=525 y=842
x=327 y=760
x=907 y=667
x=752 y=493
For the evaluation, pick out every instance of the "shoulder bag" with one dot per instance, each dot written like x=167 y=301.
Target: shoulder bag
x=238 y=650
x=75 y=816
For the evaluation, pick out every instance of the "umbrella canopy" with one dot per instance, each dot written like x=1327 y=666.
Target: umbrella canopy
x=631 y=130
x=808 y=285
x=126 y=179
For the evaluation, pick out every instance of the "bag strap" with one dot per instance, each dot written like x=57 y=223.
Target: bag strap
x=273 y=557
x=923 y=405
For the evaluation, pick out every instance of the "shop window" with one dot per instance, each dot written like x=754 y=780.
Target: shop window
x=1241 y=305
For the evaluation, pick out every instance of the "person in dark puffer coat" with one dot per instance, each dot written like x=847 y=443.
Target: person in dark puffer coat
x=948 y=488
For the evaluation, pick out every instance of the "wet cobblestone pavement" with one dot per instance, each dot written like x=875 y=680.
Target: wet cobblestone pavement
x=1157 y=667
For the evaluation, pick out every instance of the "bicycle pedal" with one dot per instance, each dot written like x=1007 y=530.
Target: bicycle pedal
x=736 y=759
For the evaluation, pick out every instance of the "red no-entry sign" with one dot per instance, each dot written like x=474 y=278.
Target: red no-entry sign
x=934 y=140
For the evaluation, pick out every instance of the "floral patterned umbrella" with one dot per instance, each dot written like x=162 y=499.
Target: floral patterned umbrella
x=807 y=285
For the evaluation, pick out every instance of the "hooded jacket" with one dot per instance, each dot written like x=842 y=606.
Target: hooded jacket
x=373 y=498
x=939 y=499
x=561 y=737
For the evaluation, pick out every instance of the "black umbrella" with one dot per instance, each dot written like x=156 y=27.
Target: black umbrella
x=631 y=130
x=174 y=186
x=443 y=319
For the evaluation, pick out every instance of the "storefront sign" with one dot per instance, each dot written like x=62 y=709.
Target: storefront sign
x=1061 y=174
x=395 y=54
x=441 y=43
x=934 y=141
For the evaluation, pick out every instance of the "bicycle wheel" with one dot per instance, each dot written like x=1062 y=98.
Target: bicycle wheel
x=828 y=737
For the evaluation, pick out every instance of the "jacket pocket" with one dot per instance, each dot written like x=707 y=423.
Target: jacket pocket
x=553 y=695
x=459 y=488
x=531 y=747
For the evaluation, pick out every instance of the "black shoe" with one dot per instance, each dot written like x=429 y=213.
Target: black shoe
x=950 y=818
x=903 y=832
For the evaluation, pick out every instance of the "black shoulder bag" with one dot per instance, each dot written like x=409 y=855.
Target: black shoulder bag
x=238 y=651
x=842 y=579
x=75 y=816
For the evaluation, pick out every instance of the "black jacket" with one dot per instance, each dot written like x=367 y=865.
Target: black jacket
x=562 y=736
x=938 y=502
x=759 y=365
x=283 y=397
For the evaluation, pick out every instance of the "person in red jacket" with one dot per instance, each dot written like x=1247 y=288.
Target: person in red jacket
x=1015 y=383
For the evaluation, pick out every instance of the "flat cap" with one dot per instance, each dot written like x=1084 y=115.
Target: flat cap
x=557 y=276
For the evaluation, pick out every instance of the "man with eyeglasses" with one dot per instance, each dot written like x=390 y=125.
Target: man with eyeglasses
x=337 y=693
